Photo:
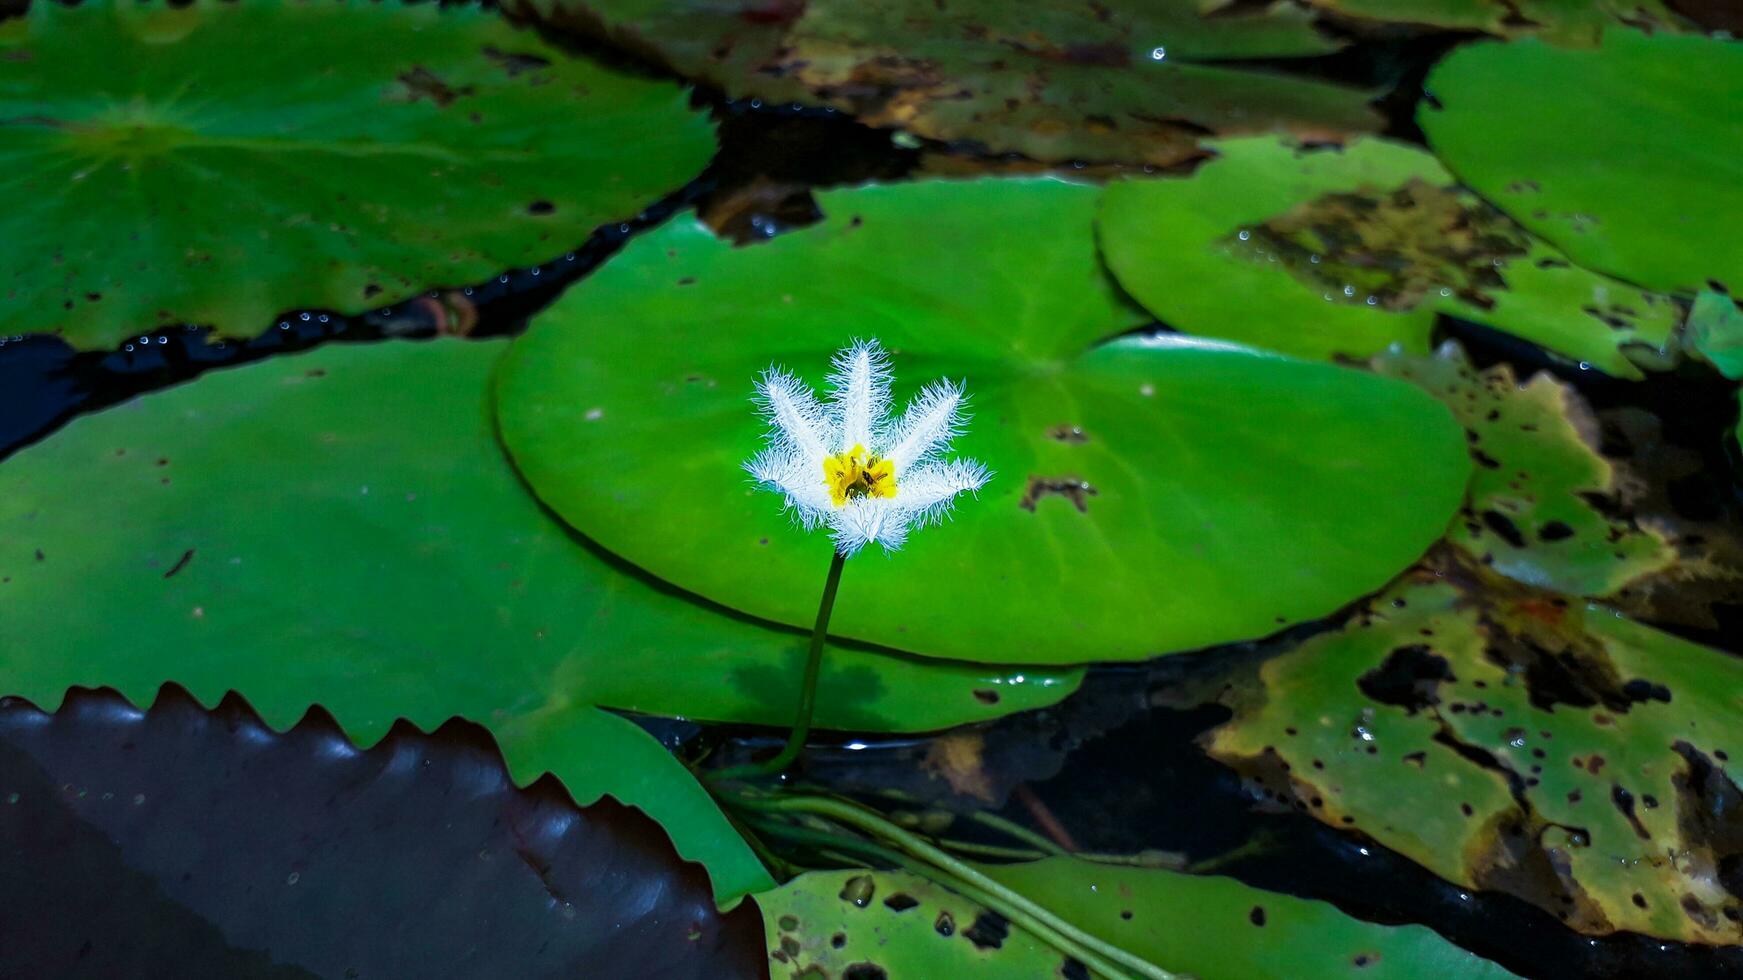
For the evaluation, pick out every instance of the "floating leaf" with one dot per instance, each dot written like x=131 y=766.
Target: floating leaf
x=1152 y=495
x=1509 y=740
x=1209 y=927
x=1653 y=193
x=1342 y=252
x=213 y=843
x=1054 y=80
x=868 y=924
x=221 y=163
x=1715 y=331
x=1540 y=490
x=1582 y=22
x=340 y=528
x=1216 y=928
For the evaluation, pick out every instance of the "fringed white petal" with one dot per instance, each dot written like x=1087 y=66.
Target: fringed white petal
x=793 y=414
x=797 y=478
x=867 y=521
x=861 y=383
x=930 y=422
x=927 y=493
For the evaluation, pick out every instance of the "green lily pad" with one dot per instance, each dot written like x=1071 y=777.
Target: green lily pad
x=1151 y=494
x=221 y=163
x=1653 y=193
x=1581 y=22
x=1216 y=928
x=1715 y=331
x=1053 y=80
x=340 y=528
x=1328 y=252
x=1212 y=928
x=217 y=847
x=1540 y=490
x=1510 y=740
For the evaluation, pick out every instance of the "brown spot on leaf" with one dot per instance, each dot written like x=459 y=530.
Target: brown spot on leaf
x=901 y=902
x=1072 y=488
x=1408 y=678
x=859 y=890
x=513 y=63
x=989 y=930
x=422 y=83
x=180 y=564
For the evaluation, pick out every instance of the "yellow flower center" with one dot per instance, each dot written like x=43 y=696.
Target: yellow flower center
x=857 y=473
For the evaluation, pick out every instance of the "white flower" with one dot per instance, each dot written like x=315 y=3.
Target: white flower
x=847 y=466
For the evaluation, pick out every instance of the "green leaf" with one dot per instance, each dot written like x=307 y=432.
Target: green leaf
x=1534 y=510
x=1152 y=495
x=1321 y=253
x=826 y=923
x=340 y=528
x=222 y=163
x=1653 y=192
x=1715 y=331
x=1051 y=79
x=1216 y=928
x=1210 y=927
x=1509 y=740
x=209 y=841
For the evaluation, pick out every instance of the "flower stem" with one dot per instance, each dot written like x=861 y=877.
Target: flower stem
x=807 y=693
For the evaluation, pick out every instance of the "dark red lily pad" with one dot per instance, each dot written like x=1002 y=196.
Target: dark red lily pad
x=180 y=841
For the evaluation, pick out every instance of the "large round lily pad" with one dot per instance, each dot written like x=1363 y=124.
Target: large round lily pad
x=1652 y=194
x=1132 y=82
x=220 y=163
x=1328 y=252
x=1211 y=928
x=1510 y=739
x=208 y=844
x=1151 y=495
x=341 y=528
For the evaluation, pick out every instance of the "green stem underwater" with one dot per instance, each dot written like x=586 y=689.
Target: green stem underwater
x=808 y=692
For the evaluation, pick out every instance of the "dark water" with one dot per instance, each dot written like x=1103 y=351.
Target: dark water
x=1118 y=767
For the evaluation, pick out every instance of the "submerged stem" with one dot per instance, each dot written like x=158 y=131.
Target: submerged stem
x=807 y=693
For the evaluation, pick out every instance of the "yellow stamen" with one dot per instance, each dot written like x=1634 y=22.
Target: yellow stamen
x=856 y=473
